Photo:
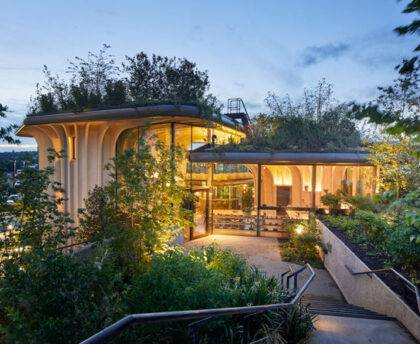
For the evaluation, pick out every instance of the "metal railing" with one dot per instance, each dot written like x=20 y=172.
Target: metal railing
x=411 y=286
x=203 y=315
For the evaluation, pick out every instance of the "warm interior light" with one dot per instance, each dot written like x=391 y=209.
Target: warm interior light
x=281 y=175
x=72 y=148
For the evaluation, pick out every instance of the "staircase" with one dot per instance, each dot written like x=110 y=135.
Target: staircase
x=328 y=307
x=237 y=110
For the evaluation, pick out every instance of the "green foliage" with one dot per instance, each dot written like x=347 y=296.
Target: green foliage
x=248 y=200
x=372 y=228
x=394 y=231
x=147 y=200
x=404 y=239
x=344 y=223
x=208 y=279
x=355 y=202
x=315 y=122
x=304 y=243
x=37 y=218
x=57 y=298
x=299 y=322
x=397 y=107
x=332 y=201
x=98 y=81
x=49 y=295
x=414 y=27
x=364 y=227
x=22 y=159
x=6 y=133
x=361 y=202
x=97 y=218
x=397 y=163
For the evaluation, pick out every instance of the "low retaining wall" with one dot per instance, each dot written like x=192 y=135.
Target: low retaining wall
x=363 y=290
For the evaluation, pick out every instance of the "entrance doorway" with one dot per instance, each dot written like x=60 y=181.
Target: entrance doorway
x=283 y=198
x=201 y=210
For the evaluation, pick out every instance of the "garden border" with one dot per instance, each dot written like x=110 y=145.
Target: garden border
x=363 y=290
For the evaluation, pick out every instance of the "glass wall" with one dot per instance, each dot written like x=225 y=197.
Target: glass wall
x=233 y=189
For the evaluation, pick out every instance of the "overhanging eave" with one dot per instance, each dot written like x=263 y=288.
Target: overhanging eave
x=282 y=158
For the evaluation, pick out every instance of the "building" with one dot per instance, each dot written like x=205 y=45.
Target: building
x=281 y=183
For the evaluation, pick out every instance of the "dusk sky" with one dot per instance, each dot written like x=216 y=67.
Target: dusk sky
x=248 y=47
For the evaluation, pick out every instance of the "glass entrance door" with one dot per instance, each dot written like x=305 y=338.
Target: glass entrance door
x=200 y=214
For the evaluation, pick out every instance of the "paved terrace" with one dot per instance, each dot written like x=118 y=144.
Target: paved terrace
x=264 y=253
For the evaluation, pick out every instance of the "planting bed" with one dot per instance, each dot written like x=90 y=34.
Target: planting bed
x=377 y=261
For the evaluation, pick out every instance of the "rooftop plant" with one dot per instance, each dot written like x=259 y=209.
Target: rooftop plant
x=314 y=122
x=99 y=81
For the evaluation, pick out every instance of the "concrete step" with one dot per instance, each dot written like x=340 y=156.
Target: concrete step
x=332 y=308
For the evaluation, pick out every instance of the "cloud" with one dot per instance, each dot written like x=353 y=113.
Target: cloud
x=315 y=54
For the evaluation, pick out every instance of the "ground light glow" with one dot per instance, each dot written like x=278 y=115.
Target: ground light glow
x=299 y=229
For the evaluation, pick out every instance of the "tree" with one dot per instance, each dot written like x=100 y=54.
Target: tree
x=98 y=81
x=97 y=218
x=398 y=106
x=414 y=27
x=6 y=132
x=314 y=122
x=397 y=163
x=160 y=78
x=146 y=200
x=36 y=221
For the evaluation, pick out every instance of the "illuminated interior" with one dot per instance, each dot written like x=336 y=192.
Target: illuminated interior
x=220 y=188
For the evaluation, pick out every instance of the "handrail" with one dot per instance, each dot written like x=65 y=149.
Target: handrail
x=413 y=288
x=116 y=328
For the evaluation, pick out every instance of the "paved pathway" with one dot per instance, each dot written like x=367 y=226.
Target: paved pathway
x=264 y=253
x=342 y=330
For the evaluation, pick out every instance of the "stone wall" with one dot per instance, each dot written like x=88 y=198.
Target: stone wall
x=363 y=290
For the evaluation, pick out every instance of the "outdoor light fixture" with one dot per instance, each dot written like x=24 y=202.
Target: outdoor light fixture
x=299 y=229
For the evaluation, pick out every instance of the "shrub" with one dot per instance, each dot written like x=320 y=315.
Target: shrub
x=304 y=243
x=332 y=201
x=57 y=298
x=205 y=279
x=404 y=238
x=364 y=227
x=361 y=203
x=371 y=227
x=345 y=223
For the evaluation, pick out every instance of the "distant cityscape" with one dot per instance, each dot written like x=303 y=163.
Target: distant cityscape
x=13 y=164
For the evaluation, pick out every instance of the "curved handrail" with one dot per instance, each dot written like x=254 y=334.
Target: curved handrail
x=116 y=328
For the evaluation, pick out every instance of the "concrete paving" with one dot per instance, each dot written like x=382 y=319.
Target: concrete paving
x=342 y=330
x=264 y=253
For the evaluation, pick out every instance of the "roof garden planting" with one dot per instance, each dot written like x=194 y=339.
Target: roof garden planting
x=98 y=81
